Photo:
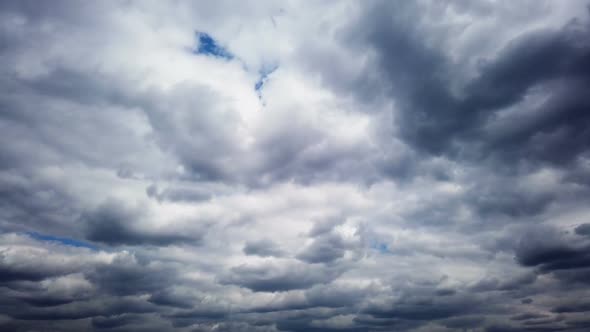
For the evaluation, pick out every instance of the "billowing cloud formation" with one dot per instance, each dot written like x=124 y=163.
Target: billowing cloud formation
x=282 y=166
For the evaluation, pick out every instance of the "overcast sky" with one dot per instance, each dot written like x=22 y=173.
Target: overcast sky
x=295 y=166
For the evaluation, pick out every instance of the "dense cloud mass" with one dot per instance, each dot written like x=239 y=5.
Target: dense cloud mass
x=295 y=166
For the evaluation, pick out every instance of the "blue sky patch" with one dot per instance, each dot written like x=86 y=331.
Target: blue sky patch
x=208 y=46
x=381 y=247
x=264 y=72
x=61 y=240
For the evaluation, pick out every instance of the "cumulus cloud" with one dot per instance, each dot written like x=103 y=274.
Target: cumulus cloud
x=281 y=166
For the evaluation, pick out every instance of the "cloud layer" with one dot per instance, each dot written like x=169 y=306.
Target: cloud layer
x=288 y=166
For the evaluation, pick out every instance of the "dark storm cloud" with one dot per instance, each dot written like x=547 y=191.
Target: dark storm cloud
x=128 y=276
x=566 y=257
x=103 y=291
x=86 y=309
x=30 y=273
x=112 y=223
x=573 y=307
x=425 y=308
x=277 y=278
x=437 y=120
x=367 y=322
x=514 y=283
x=555 y=258
x=47 y=301
x=35 y=294
x=102 y=322
x=549 y=251
x=583 y=229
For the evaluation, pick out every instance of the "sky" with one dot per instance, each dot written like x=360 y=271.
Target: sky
x=294 y=166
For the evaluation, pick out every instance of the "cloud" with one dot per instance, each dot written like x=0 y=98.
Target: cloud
x=34 y=264
x=416 y=308
x=333 y=166
x=263 y=248
x=442 y=112
x=550 y=251
x=112 y=223
x=323 y=250
x=583 y=229
x=177 y=194
x=276 y=278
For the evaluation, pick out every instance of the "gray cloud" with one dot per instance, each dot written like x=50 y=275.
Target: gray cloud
x=112 y=223
x=276 y=278
x=263 y=248
x=177 y=194
x=323 y=250
x=550 y=251
x=405 y=166
x=435 y=120
x=583 y=229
